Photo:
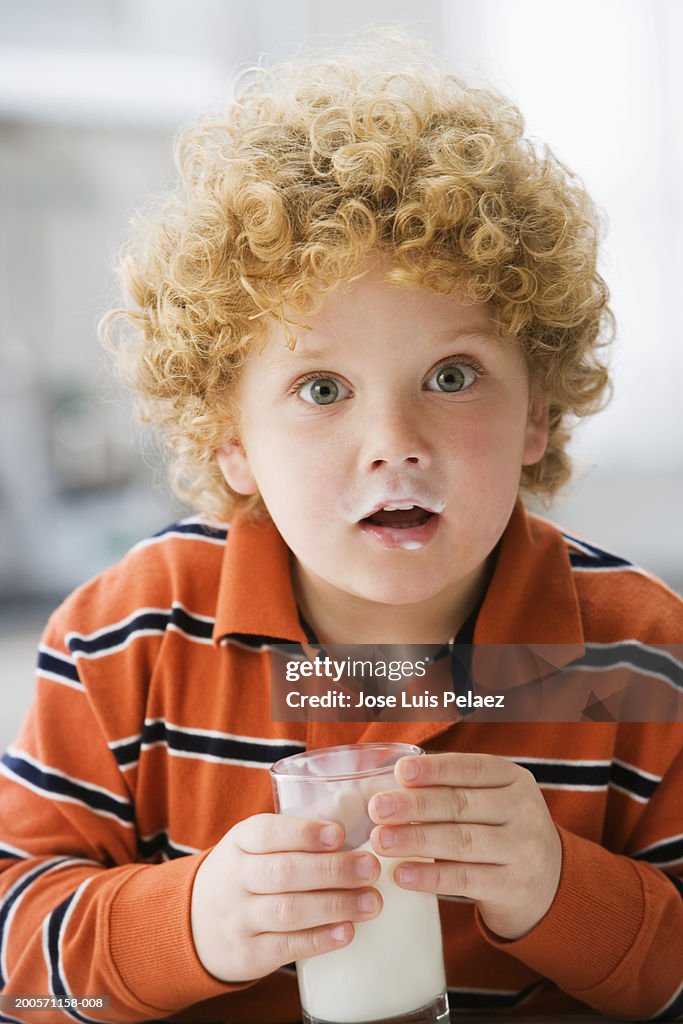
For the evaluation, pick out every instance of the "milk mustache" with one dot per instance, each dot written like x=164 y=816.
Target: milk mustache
x=393 y=965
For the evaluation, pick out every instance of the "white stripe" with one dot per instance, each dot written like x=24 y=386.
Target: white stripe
x=583 y=547
x=49 y=770
x=214 y=734
x=655 y=846
x=52 y=652
x=60 y=960
x=62 y=680
x=119 y=624
x=123 y=766
x=40 y=871
x=14 y=850
x=634 y=668
x=94 y=655
x=573 y=789
x=638 y=771
x=98 y=634
x=176 y=846
x=556 y=760
x=660 y=651
x=628 y=792
x=174 y=628
x=62 y=797
x=615 y=568
x=190 y=521
x=211 y=758
x=114 y=744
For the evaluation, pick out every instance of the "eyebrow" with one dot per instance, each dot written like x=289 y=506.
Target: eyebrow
x=475 y=334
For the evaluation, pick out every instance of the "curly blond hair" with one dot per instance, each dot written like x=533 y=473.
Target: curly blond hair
x=317 y=164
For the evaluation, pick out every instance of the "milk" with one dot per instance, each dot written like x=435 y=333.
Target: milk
x=393 y=965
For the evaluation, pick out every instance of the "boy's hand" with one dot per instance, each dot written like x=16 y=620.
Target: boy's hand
x=276 y=889
x=485 y=823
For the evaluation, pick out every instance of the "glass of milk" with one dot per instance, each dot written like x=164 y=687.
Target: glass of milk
x=392 y=971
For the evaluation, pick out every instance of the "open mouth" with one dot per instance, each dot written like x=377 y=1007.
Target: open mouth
x=399 y=517
x=401 y=526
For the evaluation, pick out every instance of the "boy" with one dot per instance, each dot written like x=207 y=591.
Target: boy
x=363 y=322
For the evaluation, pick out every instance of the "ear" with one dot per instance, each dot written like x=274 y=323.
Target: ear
x=234 y=465
x=537 y=429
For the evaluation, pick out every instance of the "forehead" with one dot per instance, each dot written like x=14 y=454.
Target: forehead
x=371 y=309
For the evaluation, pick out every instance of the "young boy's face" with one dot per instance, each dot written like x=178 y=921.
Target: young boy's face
x=396 y=397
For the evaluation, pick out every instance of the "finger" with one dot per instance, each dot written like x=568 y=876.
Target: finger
x=284 y=947
x=295 y=911
x=487 y=882
x=306 y=872
x=455 y=769
x=272 y=833
x=441 y=803
x=474 y=844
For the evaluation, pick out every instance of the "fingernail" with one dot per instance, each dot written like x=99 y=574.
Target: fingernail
x=367 y=901
x=329 y=835
x=385 y=805
x=339 y=933
x=407 y=875
x=410 y=770
x=387 y=838
x=365 y=867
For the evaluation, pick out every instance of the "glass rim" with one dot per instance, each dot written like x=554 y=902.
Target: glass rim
x=410 y=749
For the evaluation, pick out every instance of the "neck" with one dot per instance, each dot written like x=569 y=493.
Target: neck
x=343 y=618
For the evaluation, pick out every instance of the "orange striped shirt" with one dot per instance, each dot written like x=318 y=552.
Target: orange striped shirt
x=150 y=736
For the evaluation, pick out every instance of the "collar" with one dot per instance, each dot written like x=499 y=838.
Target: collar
x=256 y=602
x=530 y=600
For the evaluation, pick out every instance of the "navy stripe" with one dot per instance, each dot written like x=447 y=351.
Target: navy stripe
x=645 y=659
x=568 y=774
x=51 y=783
x=147 y=620
x=189 y=624
x=631 y=780
x=58 y=666
x=459 y=1000
x=53 y=929
x=677 y=882
x=578 y=560
x=9 y=901
x=669 y=850
x=220 y=747
x=158 y=621
x=127 y=753
x=6 y=852
x=53 y=932
x=292 y=648
x=196 y=529
x=160 y=844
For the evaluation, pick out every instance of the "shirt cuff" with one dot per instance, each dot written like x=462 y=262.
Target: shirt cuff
x=150 y=937
x=591 y=925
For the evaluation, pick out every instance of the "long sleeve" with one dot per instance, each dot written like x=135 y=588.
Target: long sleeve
x=79 y=914
x=613 y=937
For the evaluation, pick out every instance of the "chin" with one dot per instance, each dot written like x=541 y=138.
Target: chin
x=401 y=592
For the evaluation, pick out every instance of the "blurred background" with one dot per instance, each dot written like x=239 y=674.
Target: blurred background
x=92 y=93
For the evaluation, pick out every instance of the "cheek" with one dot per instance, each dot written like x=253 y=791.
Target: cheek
x=296 y=470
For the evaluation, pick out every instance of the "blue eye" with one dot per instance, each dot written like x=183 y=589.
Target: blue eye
x=322 y=391
x=452 y=378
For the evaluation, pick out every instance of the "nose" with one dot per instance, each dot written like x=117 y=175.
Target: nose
x=395 y=438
